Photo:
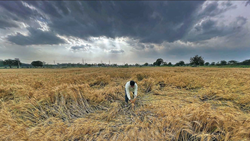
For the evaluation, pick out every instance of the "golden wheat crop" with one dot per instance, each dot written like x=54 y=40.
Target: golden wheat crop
x=88 y=104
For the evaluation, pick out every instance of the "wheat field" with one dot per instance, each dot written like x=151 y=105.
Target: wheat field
x=195 y=104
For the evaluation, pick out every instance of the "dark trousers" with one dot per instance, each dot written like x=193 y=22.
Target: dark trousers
x=126 y=98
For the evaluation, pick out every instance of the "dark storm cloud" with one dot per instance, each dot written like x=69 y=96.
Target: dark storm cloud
x=210 y=28
x=16 y=10
x=17 y=14
x=35 y=37
x=52 y=8
x=146 y=21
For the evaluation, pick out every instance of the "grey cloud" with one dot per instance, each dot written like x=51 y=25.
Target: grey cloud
x=50 y=8
x=35 y=37
x=150 y=46
x=227 y=4
x=212 y=9
x=248 y=2
x=239 y=22
x=210 y=28
x=17 y=11
x=208 y=24
x=78 y=48
x=136 y=45
x=139 y=46
x=13 y=13
x=116 y=51
x=6 y=24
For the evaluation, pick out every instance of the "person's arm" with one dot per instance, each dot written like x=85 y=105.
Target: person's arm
x=135 y=91
x=127 y=91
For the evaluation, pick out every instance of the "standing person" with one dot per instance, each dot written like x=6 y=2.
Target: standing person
x=130 y=86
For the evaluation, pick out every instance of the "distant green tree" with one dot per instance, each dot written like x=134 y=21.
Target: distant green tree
x=223 y=62
x=158 y=62
x=213 y=63
x=246 y=62
x=137 y=64
x=1 y=62
x=232 y=62
x=197 y=60
x=207 y=63
x=218 y=64
x=11 y=63
x=169 y=64
x=164 y=63
x=78 y=64
x=146 y=64
x=181 y=63
x=37 y=63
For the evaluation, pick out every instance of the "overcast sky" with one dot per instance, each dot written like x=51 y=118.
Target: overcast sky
x=124 y=32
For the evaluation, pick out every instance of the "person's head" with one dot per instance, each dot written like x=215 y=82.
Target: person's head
x=132 y=83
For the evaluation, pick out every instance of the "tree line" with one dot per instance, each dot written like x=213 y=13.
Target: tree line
x=16 y=62
x=11 y=62
x=194 y=61
x=199 y=61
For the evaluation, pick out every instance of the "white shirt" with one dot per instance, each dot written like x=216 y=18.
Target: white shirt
x=128 y=88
